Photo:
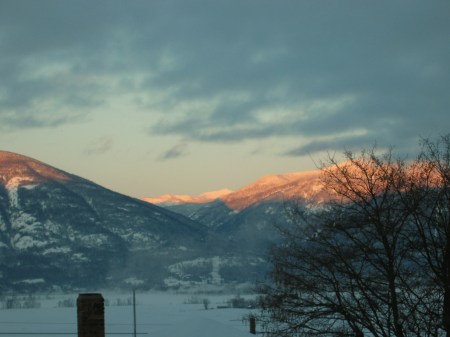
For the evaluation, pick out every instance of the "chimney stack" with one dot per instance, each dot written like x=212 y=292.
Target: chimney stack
x=91 y=315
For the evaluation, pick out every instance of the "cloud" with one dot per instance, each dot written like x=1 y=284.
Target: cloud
x=99 y=146
x=338 y=68
x=230 y=71
x=14 y=120
x=176 y=151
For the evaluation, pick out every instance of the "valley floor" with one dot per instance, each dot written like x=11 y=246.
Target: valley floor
x=157 y=315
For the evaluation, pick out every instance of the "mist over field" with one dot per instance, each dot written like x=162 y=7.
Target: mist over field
x=157 y=314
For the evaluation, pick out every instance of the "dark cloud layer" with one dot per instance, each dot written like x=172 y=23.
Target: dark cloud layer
x=343 y=73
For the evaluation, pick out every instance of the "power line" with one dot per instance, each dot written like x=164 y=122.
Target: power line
x=67 y=333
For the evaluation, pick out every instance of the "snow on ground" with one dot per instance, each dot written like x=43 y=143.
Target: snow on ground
x=157 y=315
x=12 y=187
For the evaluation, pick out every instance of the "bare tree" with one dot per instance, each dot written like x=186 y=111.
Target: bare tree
x=309 y=297
x=347 y=268
x=428 y=199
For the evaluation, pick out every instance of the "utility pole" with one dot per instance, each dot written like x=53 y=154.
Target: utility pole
x=134 y=312
x=252 y=325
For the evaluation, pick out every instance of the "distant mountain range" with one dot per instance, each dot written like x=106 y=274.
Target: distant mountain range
x=176 y=199
x=277 y=187
x=60 y=231
x=248 y=215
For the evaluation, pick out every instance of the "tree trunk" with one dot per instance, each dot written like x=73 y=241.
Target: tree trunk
x=446 y=312
x=446 y=308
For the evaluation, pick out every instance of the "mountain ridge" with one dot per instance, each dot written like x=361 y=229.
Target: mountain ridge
x=66 y=231
x=287 y=186
x=175 y=199
x=22 y=165
x=60 y=231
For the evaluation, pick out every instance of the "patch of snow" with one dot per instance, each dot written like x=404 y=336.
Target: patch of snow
x=199 y=327
x=12 y=187
x=25 y=242
x=134 y=281
x=215 y=275
x=32 y=281
x=25 y=223
x=94 y=240
x=30 y=187
x=177 y=199
x=177 y=268
x=79 y=257
x=269 y=210
x=51 y=227
x=57 y=250
x=141 y=240
x=215 y=194
x=318 y=187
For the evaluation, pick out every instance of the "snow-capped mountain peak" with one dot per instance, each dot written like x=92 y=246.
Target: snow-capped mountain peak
x=17 y=170
x=176 y=199
x=66 y=230
x=294 y=185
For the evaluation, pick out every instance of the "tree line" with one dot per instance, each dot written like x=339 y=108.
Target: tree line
x=372 y=261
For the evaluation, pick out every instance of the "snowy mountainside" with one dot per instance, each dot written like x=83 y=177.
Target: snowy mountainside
x=60 y=230
x=176 y=199
x=212 y=214
x=277 y=187
x=247 y=216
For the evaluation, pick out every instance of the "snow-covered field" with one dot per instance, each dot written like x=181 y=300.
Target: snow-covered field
x=157 y=315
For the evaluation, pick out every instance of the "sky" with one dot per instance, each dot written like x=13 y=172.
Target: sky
x=185 y=96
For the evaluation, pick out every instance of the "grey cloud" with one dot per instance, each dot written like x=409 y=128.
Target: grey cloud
x=50 y=49
x=391 y=58
x=394 y=63
x=337 y=144
x=15 y=120
x=178 y=150
x=99 y=146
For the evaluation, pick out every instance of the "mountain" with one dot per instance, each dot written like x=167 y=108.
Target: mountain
x=176 y=199
x=277 y=187
x=59 y=230
x=248 y=216
x=266 y=194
